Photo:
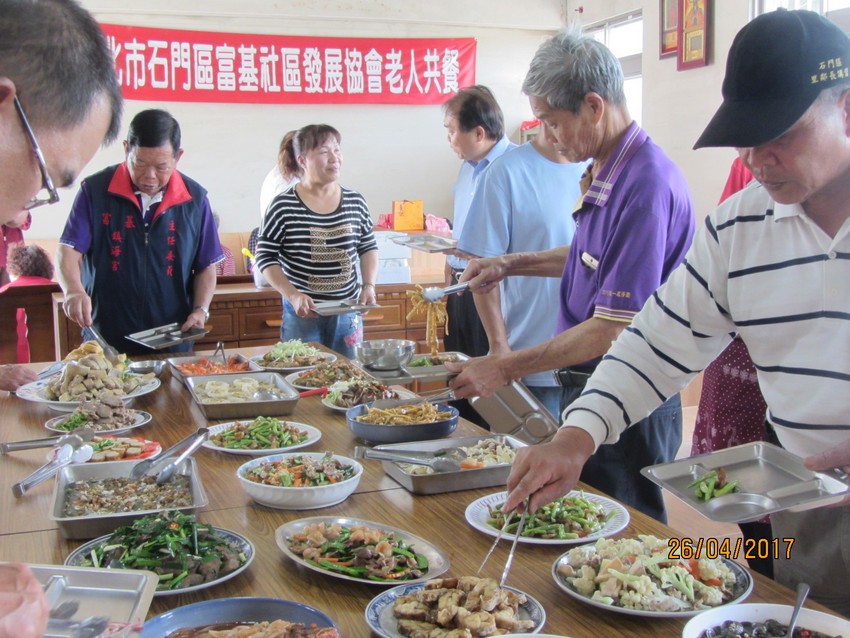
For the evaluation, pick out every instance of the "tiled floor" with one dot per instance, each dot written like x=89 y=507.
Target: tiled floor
x=682 y=517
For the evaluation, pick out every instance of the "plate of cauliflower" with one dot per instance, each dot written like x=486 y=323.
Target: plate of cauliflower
x=639 y=577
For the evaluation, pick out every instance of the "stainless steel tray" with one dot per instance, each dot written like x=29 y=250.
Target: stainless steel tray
x=123 y=595
x=330 y=308
x=79 y=527
x=239 y=358
x=408 y=374
x=426 y=242
x=514 y=410
x=246 y=409
x=441 y=482
x=771 y=480
x=166 y=336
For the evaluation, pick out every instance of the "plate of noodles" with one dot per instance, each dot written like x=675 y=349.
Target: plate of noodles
x=403 y=423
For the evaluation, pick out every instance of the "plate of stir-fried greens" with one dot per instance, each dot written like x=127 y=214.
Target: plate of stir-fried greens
x=360 y=550
x=187 y=555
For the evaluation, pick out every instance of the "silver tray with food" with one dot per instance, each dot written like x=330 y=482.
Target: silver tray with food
x=493 y=452
x=331 y=308
x=514 y=410
x=166 y=336
x=426 y=242
x=422 y=367
x=122 y=595
x=232 y=396
x=91 y=500
x=184 y=367
x=746 y=482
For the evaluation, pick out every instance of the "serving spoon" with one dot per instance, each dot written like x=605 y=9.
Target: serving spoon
x=802 y=593
x=64 y=455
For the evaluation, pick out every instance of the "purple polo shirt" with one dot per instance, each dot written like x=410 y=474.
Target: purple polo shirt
x=633 y=227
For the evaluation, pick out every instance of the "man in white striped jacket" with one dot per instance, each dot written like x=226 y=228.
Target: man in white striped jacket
x=771 y=264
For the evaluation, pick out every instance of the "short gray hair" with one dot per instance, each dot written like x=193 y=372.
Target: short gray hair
x=570 y=65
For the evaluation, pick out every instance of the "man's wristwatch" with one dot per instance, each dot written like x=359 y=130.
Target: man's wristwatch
x=203 y=309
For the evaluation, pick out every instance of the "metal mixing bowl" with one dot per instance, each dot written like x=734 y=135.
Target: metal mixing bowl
x=385 y=354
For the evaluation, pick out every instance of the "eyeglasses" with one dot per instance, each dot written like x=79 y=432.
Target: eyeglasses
x=48 y=193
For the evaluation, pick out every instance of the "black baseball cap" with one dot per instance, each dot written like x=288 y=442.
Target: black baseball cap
x=777 y=66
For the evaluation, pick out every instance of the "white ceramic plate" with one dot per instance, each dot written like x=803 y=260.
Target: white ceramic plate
x=313 y=435
x=333 y=406
x=141 y=417
x=327 y=357
x=76 y=557
x=34 y=391
x=744 y=588
x=478 y=512
x=380 y=618
x=438 y=562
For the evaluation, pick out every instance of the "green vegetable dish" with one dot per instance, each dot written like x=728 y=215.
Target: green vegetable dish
x=76 y=420
x=262 y=433
x=183 y=552
x=568 y=517
x=712 y=485
x=300 y=471
x=358 y=552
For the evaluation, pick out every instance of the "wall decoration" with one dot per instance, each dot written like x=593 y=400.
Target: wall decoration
x=669 y=29
x=173 y=65
x=693 y=33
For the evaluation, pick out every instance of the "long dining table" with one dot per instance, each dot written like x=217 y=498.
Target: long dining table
x=28 y=535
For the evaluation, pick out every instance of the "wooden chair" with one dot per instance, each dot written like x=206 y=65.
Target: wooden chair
x=37 y=301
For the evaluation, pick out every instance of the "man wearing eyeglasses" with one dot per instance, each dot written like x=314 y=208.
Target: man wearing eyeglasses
x=59 y=101
x=140 y=246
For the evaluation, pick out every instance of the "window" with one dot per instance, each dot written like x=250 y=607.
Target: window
x=820 y=6
x=624 y=36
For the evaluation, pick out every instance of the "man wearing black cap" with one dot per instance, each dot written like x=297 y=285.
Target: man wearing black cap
x=770 y=264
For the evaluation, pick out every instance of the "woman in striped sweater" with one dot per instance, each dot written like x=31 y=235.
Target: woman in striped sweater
x=314 y=238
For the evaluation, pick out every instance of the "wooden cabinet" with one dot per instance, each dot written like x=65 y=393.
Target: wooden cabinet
x=242 y=315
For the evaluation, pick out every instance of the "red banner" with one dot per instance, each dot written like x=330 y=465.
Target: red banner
x=204 y=66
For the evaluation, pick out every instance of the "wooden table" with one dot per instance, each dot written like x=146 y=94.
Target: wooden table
x=28 y=535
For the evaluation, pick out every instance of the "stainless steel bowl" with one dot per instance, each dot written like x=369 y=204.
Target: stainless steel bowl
x=143 y=367
x=385 y=354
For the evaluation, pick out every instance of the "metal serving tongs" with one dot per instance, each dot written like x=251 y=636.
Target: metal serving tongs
x=75 y=438
x=434 y=293
x=434 y=397
x=191 y=443
x=501 y=533
x=109 y=352
x=445 y=460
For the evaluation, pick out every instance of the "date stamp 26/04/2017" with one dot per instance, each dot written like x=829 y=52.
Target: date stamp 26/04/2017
x=731 y=548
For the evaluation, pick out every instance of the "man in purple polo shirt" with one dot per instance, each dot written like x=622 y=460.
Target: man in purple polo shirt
x=140 y=245
x=634 y=223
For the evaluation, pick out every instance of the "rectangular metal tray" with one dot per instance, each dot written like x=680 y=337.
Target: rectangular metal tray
x=239 y=358
x=246 y=409
x=409 y=374
x=426 y=242
x=330 y=308
x=166 y=336
x=439 y=483
x=514 y=410
x=79 y=527
x=771 y=478
x=123 y=595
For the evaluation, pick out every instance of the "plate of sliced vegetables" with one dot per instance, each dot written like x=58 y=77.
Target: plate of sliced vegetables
x=644 y=577
x=119 y=448
x=578 y=517
x=413 y=559
x=260 y=437
x=188 y=555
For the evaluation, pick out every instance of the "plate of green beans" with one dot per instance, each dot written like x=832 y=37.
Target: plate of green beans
x=261 y=437
x=578 y=517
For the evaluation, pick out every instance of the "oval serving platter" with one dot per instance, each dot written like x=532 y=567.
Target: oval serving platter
x=438 y=562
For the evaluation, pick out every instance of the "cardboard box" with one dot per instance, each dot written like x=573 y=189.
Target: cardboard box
x=408 y=214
